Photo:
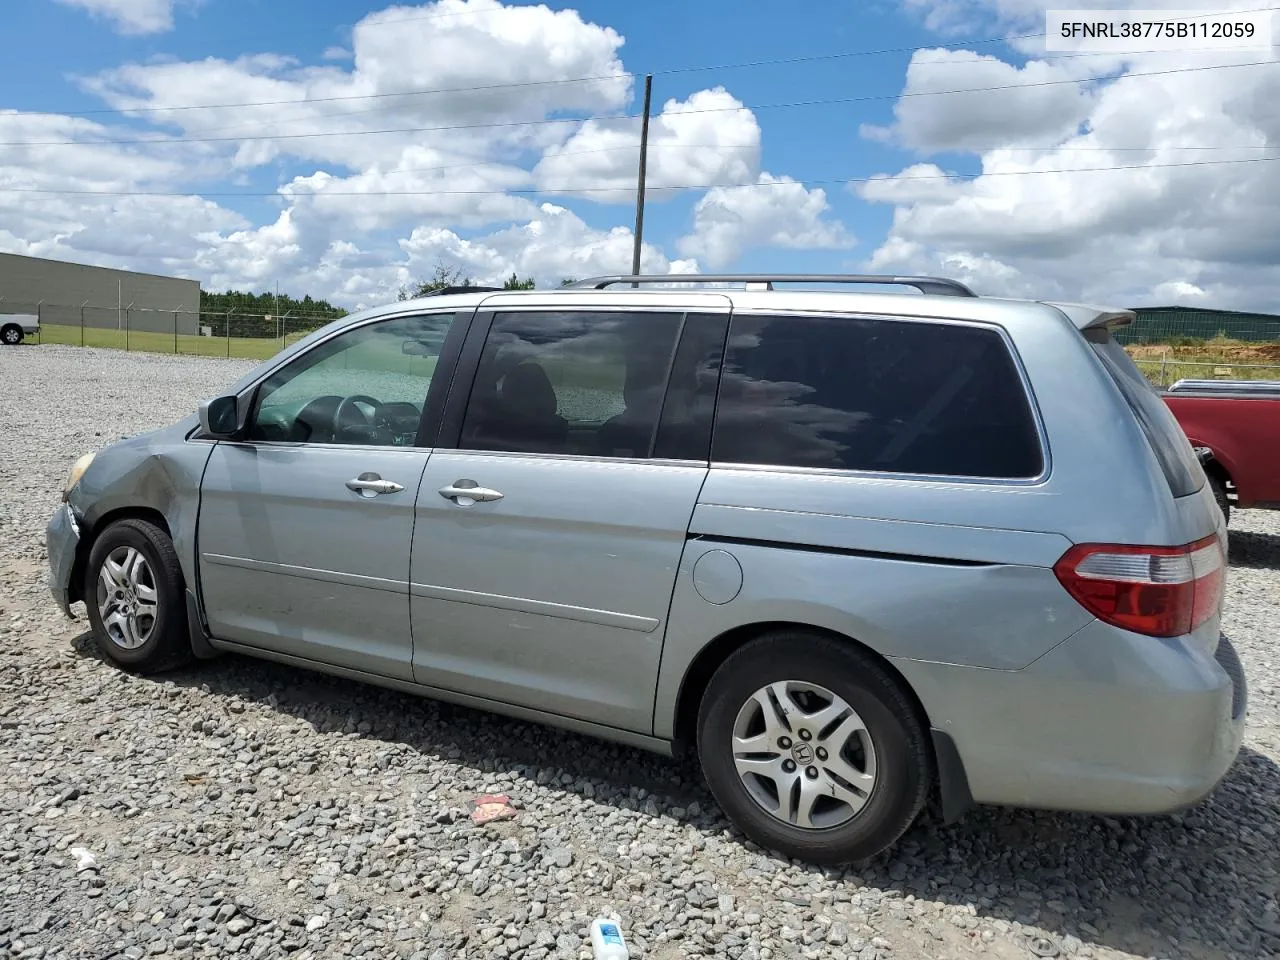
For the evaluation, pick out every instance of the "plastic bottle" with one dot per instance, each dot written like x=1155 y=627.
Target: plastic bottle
x=606 y=940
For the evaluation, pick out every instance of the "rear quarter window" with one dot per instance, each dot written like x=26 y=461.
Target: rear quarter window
x=1168 y=442
x=870 y=394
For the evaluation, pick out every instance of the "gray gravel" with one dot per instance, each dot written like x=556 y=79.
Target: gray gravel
x=244 y=808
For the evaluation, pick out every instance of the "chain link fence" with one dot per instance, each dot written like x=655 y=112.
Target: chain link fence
x=223 y=333
x=1167 y=345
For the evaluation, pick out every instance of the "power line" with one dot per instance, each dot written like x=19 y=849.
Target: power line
x=354 y=96
x=683 y=113
x=833 y=181
x=626 y=75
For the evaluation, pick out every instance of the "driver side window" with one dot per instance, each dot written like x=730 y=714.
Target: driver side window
x=366 y=386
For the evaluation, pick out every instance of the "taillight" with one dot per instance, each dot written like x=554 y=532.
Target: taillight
x=1159 y=591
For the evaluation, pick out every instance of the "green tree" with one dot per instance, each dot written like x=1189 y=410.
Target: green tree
x=513 y=283
x=264 y=314
x=442 y=277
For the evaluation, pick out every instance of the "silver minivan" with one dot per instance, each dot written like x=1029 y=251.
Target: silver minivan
x=856 y=549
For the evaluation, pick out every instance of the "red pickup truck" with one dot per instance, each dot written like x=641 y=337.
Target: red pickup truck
x=1235 y=427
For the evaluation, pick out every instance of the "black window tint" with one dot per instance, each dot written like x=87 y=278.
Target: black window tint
x=577 y=382
x=885 y=395
x=1168 y=442
x=685 y=431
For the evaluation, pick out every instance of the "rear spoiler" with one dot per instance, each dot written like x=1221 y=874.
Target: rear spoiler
x=1088 y=317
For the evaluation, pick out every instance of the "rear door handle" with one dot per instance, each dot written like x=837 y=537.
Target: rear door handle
x=371 y=485
x=466 y=492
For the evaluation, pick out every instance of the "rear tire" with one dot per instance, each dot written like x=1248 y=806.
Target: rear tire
x=11 y=334
x=135 y=596
x=813 y=749
x=1220 y=494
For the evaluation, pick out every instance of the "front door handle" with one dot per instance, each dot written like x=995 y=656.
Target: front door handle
x=371 y=485
x=466 y=492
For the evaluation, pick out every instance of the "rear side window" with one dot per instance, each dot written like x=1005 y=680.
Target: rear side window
x=1168 y=442
x=585 y=382
x=869 y=394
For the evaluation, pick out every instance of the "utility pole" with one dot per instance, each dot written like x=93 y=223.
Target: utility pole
x=644 y=158
x=276 y=311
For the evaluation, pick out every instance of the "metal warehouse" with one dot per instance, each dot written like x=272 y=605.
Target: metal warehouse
x=75 y=293
x=1161 y=324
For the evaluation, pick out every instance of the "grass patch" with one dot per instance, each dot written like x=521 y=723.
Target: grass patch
x=146 y=341
x=1218 y=358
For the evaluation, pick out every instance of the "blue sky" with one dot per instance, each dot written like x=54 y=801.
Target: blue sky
x=469 y=197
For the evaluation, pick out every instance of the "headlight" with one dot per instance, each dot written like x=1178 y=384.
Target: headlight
x=77 y=471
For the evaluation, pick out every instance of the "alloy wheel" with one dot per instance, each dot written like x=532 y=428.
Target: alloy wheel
x=127 y=597
x=804 y=755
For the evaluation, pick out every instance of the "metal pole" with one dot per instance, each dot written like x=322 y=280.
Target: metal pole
x=128 y=321
x=175 y=330
x=1163 y=357
x=119 y=301
x=228 y=334
x=39 y=319
x=82 y=306
x=644 y=158
x=276 y=309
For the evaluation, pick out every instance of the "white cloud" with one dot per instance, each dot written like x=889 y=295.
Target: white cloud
x=1177 y=292
x=1182 y=225
x=776 y=211
x=554 y=245
x=959 y=121
x=420 y=185
x=495 y=67
x=131 y=16
x=709 y=138
x=129 y=231
x=355 y=216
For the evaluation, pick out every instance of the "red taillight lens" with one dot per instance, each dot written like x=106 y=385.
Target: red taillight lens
x=1159 y=591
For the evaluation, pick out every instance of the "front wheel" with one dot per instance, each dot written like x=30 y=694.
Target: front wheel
x=135 y=598
x=11 y=334
x=812 y=748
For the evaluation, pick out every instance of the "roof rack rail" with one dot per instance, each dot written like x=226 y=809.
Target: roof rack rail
x=444 y=291
x=938 y=286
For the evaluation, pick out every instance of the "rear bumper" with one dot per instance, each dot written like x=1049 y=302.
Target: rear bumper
x=62 y=540
x=1108 y=722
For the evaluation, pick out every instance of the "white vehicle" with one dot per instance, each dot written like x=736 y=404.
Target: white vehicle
x=15 y=326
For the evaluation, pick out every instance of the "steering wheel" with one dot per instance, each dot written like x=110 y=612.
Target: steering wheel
x=349 y=417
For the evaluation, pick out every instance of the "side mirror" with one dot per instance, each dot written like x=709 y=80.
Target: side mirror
x=218 y=417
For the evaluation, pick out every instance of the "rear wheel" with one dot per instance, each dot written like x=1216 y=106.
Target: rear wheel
x=11 y=334
x=812 y=748
x=134 y=595
x=1220 y=494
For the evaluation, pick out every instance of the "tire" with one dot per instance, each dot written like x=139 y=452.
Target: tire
x=155 y=638
x=11 y=335
x=1220 y=494
x=792 y=664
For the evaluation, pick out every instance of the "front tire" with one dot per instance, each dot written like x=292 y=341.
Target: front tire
x=813 y=749
x=11 y=334
x=135 y=596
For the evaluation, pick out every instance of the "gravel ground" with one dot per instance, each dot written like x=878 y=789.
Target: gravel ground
x=244 y=808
